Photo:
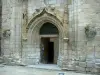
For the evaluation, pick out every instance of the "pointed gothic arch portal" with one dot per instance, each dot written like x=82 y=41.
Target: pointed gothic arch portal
x=49 y=43
x=38 y=32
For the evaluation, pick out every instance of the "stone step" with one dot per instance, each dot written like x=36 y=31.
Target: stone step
x=1 y=57
x=1 y=60
x=97 y=65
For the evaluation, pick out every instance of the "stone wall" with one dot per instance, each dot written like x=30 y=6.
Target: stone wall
x=0 y=23
x=6 y=24
x=80 y=52
x=11 y=28
x=83 y=13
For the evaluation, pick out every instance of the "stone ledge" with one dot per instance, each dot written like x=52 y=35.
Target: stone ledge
x=82 y=64
x=80 y=69
x=97 y=65
x=90 y=64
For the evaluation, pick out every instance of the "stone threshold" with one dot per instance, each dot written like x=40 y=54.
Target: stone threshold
x=45 y=66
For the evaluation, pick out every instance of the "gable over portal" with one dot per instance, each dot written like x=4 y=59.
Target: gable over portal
x=45 y=12
x=42 y=16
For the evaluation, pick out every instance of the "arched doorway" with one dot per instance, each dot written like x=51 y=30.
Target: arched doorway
x=34 y=37
x=49 y=43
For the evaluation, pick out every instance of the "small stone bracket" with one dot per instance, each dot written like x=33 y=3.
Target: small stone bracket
x=6 y=33
x=90 y=32
x=66 y=39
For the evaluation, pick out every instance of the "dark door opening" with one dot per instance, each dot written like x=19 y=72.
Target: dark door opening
x=50 y=52
x=47 y=51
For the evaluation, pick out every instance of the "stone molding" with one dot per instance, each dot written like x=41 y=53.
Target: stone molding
x=43 y=14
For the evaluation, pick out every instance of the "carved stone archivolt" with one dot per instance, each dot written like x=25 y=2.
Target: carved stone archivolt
x=40 y=13
x=39 y=18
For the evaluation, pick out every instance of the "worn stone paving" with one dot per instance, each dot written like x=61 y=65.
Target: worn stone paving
x=21 y=70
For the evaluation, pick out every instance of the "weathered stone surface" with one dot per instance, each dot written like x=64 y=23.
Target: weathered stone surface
x=90 y=64
x=82 y=64
x=80 y=69
x=1 y=60
x=24 y=18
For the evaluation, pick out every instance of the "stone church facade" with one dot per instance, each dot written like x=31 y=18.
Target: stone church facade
x=61 y=32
